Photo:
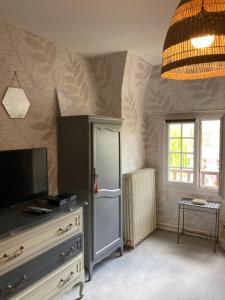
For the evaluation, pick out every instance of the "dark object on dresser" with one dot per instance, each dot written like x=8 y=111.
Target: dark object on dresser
x=61 y=199
x=90 y=167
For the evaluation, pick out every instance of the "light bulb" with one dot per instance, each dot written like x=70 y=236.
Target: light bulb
x=202 y=41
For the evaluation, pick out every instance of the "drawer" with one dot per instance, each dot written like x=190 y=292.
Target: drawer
x=32 y=271
x=56 y=282
x=14 y=250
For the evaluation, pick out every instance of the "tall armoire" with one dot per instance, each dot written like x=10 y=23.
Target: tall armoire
x=89 y=152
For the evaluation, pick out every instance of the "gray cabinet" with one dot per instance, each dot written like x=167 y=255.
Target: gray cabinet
x=90 y=166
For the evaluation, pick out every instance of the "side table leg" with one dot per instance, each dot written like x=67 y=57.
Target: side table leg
x=183 y=221
x=216 y=231
x=218 y=226
x=178 y=226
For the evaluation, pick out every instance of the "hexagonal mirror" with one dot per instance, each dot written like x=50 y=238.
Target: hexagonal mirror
x=16 y=103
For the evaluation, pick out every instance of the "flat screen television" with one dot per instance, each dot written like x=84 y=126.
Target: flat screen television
x=23 y=175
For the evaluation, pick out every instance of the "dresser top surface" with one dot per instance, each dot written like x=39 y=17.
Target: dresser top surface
x=15 y=220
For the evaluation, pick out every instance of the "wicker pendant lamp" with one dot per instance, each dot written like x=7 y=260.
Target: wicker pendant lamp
x=194 y=47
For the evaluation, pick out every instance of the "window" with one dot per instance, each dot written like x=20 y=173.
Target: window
x=193 y=152
x=210 y=153
x=181 y=152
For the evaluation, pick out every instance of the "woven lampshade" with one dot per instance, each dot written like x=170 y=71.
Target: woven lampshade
x=182 y=60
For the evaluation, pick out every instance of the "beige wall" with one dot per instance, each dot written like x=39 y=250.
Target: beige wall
x=42 y=66
x=136 y=76
x=164 y=97
x=119 y=85
x=122 y=80
x=109 y=72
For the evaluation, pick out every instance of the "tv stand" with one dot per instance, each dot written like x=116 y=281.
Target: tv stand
x=41 y=256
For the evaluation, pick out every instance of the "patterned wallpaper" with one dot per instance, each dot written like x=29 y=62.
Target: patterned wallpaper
x=136 y=76
x=119 y=85
x=167 y=96
x=164 y=95
x=121 y=79
x=109 y=72
x=42 y=67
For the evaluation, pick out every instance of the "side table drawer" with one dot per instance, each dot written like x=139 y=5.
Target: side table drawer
x=56 y=282
x=15 y=250
x=34 y=270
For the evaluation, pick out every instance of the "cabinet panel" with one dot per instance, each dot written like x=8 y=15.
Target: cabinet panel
x=107 y=157
x=107 y=201
x=107 y=223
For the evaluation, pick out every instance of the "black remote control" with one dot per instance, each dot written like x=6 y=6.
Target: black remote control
x=37 y=210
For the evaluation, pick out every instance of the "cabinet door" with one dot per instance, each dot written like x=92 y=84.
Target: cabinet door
x=107 y=200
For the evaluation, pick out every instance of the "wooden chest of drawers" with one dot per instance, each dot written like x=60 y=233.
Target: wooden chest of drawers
x=16 y=249
x=57 y=282
x=35 y=257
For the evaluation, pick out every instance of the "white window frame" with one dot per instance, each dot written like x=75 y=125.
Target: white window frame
x=199 y=123
x=179 y=183
x=186 y=187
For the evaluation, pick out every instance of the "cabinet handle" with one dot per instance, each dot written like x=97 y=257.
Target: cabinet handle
x=64 y=281
x=78 y=267
x=13 y=287
x=68 y=228
x=77 y=220
x=79 y=245
x=96 y=188
x=66 y=255
x=15 y=255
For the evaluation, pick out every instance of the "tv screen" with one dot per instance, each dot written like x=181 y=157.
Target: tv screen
x=23 y=175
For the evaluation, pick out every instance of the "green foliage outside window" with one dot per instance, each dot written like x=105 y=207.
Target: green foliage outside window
x=181 y=145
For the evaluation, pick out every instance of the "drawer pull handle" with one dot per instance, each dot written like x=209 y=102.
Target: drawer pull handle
x=68 y=228
x=64 y=281
x=13 y=287
x=66 y=255
x=77 y=220
x=15 y=255
x=79 y=265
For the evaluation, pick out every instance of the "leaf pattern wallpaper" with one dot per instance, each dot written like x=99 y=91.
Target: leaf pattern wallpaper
x=121 y=81
x=116 y=85
x=109 y=72
x=168 y=96
x=136 y=76
x=42 y=66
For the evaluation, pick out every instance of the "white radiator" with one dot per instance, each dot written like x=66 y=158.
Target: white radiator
x=139 y=205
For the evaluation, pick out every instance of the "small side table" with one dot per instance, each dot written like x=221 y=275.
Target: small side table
x=209 y=208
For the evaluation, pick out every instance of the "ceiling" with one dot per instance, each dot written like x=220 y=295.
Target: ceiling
x=95 y=27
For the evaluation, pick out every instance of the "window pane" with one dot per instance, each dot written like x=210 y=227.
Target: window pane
x=175 y=145
x=175 y=160
x=181 y=152
x=188 y=145
x=187 y=175
x=210 y=152
x=210 y=179
x=188 y=130
x=187 y=161
x=174 y=175
x=174 y=130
